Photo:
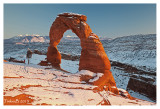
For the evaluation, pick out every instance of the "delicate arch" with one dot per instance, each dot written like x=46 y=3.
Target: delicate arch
x=93 y=56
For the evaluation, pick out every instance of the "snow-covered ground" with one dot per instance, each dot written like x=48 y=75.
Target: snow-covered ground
x=71 y=66
x=120 y=76
x=136 y=50
x=36 y=85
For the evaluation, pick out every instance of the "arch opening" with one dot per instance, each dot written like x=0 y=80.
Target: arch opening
x=70 y=50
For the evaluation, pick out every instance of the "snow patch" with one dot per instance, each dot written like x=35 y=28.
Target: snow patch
x=98 y=75
x=86 y=72
x=92 y=37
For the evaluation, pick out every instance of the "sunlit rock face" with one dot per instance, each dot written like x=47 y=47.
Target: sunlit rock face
x=93 y=56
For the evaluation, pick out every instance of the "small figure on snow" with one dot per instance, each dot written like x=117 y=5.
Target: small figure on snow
x=29 y=54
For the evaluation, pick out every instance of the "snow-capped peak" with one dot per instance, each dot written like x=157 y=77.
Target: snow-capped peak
x=28 y=39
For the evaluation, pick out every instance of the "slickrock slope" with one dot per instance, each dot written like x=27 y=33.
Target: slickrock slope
x=26 y=85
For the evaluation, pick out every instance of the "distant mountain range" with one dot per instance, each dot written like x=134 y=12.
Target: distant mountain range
x=40 y=39
x=27 y=39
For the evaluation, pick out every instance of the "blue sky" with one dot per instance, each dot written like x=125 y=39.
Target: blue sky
x=106 y=20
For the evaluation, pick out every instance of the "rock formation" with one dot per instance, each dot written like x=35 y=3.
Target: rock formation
x=93 y=56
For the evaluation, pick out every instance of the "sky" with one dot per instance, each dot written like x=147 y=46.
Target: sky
x=106 y=20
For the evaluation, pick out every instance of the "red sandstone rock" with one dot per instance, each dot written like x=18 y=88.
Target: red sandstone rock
x=106 y=82
x=53 y=56
x=93 y=56
x=5 y=61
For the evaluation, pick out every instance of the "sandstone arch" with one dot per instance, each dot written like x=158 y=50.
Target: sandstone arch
x=93 y=56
